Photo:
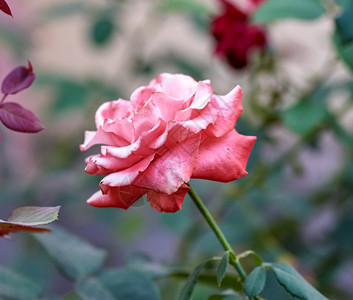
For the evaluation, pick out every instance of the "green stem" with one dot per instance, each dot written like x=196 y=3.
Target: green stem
x=217 y=231
x=219 y=234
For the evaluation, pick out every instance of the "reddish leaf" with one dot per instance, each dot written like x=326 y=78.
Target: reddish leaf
x=6 y=228
x=18 y=79
x=28 y=219
x=5 y=8
x=17 y=118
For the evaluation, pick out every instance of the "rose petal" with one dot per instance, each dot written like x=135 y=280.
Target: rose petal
x=229 y=108
x=176 y=86
x=101 y=137
x=203 y=95
x=94 y=168
x=224 y=159
x=200 y=119
x=155 y=137
x=200 y=113
x=173 y=168
x=122 y=128
x=146 y=118
x=126 y=176
x=167 y=203
x=113 y=110
x=107 y=164
x=121 y=152
x=121 y=197
x=167 y=106
x=140 y=97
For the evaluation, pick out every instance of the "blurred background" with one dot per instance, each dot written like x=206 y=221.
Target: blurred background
x=295 y=205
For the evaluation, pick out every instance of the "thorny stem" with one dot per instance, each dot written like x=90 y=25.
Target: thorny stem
x=219 y=234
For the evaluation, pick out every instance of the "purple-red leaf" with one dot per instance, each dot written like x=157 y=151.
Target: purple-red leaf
x=17 y=118
x=5 y=8
x=18 y=79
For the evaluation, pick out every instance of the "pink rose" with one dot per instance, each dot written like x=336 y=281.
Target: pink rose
x=170 y=131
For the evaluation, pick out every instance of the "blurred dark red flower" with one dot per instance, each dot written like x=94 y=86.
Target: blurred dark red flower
x=5 y=8
x=236 y=37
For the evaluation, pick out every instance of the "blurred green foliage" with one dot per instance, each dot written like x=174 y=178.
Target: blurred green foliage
x=102 y=30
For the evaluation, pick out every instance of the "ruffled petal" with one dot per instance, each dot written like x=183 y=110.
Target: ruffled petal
x=229 y=109
x=167 y=106
x=140 y=97
x=167 y=173
x=203 y=95
x=200 y=119
x=146 y=118
x=153 y=138
x=127 y=176
x=224 y=159
x=100 y=137
x=177 y=86
x=121 y=152
x=121 y=197
x=107 y=164
x=113 y=110
x=200 y=112
x=167 y=203
x=122 y=128
x=95 y=169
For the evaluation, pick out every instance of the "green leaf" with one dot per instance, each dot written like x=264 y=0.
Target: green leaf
x=15 y=286
x=189 y=286
x=92 y=288
x=344 y=24
x=257 y=258
x=255 y=282
x=61 y=10
x=27 y=218
x=102 y=30
x=73 y=256
x=154 y=270
x=230 y=281
x=345 y=51
x=34 y=216
x=70 y=94
x=198 y=10
x=186 y=66
x=222 y=267
x=226 y=295
x=273 y=10
x=116 y=285
x=341 y=133
x=343 y=36
x=194 y=7
x=304 y=116
x=344 y=3
x=294 y=283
